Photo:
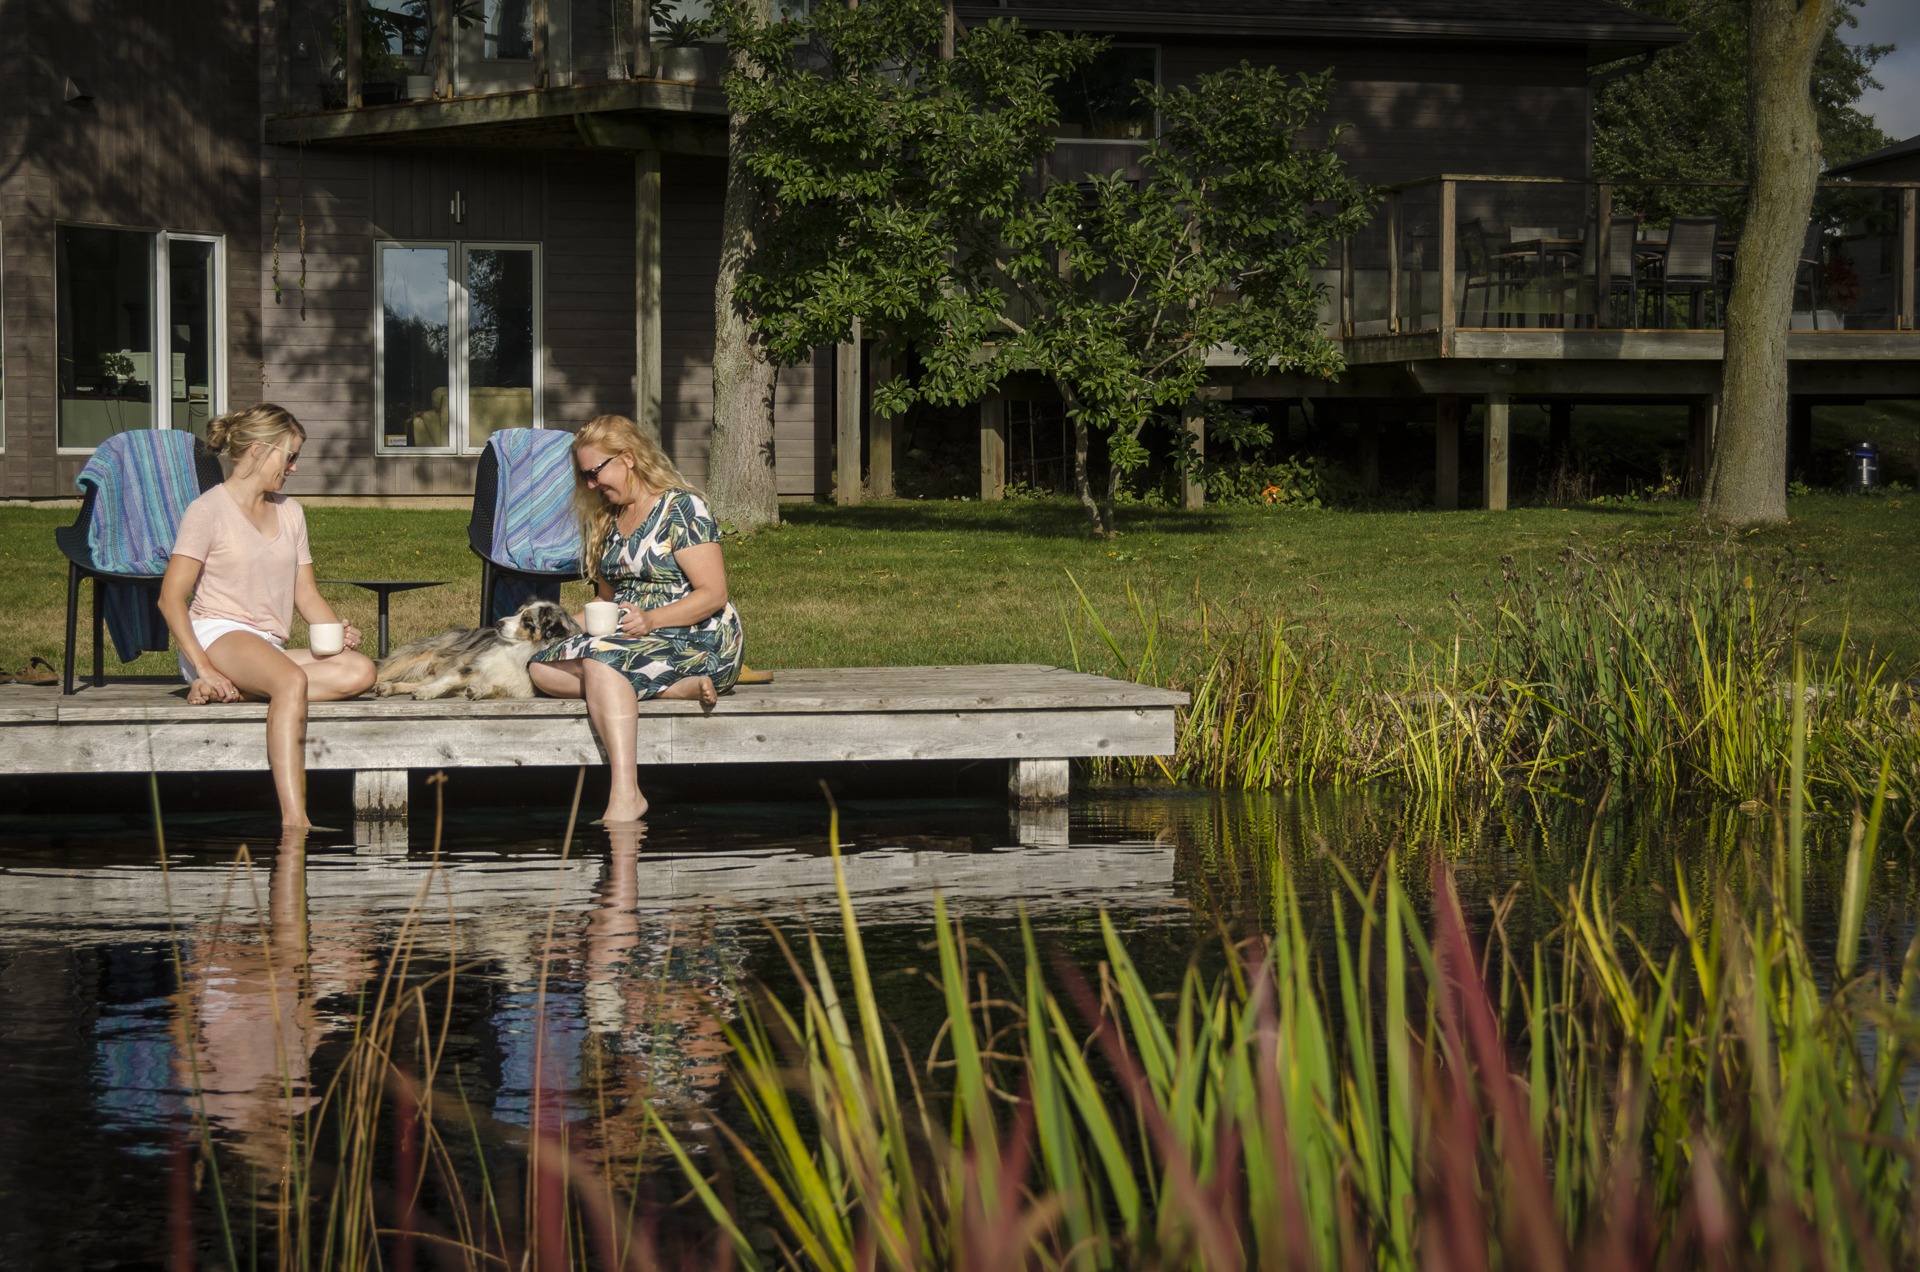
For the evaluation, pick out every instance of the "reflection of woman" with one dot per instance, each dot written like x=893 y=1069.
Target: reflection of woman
x=241 y=555
x=649 y=544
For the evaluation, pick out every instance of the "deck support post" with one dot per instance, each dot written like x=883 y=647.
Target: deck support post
x=1447 y=411
x=1497 y=425
x=1703 y=419
x=646 y=292
x=1038 y=783
x=1909 y=303
x=1193 y=491
x=882 y=432
x=993 y=448
x=379 y=795
x=846 y=418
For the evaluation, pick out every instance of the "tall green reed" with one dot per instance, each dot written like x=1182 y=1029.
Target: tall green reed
x=1666 y=668
x=1395 y=1098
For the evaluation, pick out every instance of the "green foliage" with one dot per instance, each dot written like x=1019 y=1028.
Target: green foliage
x=1665 y=670
x=908 y=193
x=1701 y=1095
x=1684 y=118
x=1281 y=483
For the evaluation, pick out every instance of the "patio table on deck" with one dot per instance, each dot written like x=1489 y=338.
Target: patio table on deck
x=1559 y=250
x=384 y=589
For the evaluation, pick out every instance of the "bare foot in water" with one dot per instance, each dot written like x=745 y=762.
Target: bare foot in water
x=624 y=811
x=696 y=688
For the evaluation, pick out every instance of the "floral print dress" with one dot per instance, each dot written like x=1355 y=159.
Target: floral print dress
x=642 y=571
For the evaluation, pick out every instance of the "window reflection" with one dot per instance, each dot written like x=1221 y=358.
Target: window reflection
x=415 y=318
x=1103 y=100
x=507 y=31
x=192 y=356
x=500 y=341
x=105 y=338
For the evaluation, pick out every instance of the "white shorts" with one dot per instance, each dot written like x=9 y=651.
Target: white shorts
x=208 y=630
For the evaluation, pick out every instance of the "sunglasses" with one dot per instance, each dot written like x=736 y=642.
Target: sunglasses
x=293 y=456
x=593 y=474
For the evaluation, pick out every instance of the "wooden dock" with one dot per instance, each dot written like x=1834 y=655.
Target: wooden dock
x=1035 y=718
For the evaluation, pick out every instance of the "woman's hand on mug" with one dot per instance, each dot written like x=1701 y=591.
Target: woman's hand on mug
x=634 y=621
x=353 y=636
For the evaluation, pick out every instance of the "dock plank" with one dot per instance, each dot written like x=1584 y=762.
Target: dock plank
x=1011 y=712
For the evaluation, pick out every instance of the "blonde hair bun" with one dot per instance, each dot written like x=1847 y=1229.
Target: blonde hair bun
x=233 y=434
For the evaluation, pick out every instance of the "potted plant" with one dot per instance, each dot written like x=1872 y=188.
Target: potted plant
x=682 y=59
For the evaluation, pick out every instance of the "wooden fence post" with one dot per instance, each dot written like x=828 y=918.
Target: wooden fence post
x=882 y=431
x=846 y=418
x=1498 y=415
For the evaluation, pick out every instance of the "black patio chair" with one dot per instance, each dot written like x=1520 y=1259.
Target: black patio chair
x=1488 y=272
x=73 y=543
x=1691 y=267
x=1623 y=271
x=547 y=482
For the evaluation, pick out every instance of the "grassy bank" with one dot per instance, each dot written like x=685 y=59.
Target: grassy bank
x=951 y=582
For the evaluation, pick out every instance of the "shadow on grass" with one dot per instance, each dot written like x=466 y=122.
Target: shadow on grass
x=1035 y=518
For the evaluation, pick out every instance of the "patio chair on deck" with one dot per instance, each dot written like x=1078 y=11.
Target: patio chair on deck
x=1487 y=272
x=1623 y=271
x=132 y=492
x=523 y=527
x=1691 y=266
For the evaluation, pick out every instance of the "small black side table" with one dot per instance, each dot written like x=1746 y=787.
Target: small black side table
x=385 y=588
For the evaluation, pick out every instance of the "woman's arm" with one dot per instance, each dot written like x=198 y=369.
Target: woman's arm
x=706 y=573
x=314 y=607
x=176 y=589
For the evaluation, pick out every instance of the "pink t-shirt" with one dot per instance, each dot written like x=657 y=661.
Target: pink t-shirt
x=244 y=576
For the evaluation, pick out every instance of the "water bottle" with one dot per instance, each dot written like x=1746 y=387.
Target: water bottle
x=1865 y=471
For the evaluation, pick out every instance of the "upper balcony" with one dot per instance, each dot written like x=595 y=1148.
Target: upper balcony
x=1495 y=267
x=495 y=72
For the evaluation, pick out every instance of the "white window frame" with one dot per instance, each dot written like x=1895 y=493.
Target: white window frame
x=3 y=339
x=160 y=336
x=458 y=414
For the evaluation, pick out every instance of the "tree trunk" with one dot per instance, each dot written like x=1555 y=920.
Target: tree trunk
x=740 y=479
x=1747 y=481
x=1082 y=479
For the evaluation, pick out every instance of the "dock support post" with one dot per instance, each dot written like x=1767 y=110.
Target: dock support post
x=1193 y=493
x=646 y=293
x=380 y=795
x=1446 y=452
x=846 y=419
x=993 y=448
x=1497 y=425
x=882 y=432
x=1037 y=783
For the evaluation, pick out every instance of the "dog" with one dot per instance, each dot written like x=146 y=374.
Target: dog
x=484 y=662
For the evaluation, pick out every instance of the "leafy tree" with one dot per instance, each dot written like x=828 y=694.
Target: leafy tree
x=909 y=191
x=1687 y=116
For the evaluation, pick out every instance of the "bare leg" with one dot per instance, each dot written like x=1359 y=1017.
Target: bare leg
x=344 y=675
x=258 y=670
x=615 y=713
x=697 y=688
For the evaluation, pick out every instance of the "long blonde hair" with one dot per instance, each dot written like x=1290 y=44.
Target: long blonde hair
x=232 y=435
x=615 y=435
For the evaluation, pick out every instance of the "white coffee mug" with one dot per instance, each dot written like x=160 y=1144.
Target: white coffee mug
x=326 y=638
x=603 y=618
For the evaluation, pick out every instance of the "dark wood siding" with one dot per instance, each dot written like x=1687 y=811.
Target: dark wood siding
x=155 y=148
x=1413 y=110
x=692 y=192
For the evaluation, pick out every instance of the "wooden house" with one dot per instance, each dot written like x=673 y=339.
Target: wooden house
x=507 y=213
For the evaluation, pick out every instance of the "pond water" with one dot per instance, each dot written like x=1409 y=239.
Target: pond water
x=145 y=987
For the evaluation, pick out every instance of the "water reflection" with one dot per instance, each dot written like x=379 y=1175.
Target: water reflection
x=589 y=980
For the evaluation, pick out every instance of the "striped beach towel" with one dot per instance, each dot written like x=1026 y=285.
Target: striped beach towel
x=146 y=479
x=534 y=528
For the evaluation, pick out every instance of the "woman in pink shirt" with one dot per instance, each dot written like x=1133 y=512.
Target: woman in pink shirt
x=239 y=569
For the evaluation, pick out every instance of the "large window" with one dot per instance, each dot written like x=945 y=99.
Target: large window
x=1102 y=101
x=507 y=32
x=459 y=337
x=141 y=332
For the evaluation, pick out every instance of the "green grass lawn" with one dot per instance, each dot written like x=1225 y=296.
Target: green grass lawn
x=952 y=582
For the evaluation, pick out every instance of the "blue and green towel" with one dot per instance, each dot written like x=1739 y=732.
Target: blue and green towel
x=145 y=479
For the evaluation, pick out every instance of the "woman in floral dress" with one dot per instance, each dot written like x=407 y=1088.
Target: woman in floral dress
x=650 y=545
